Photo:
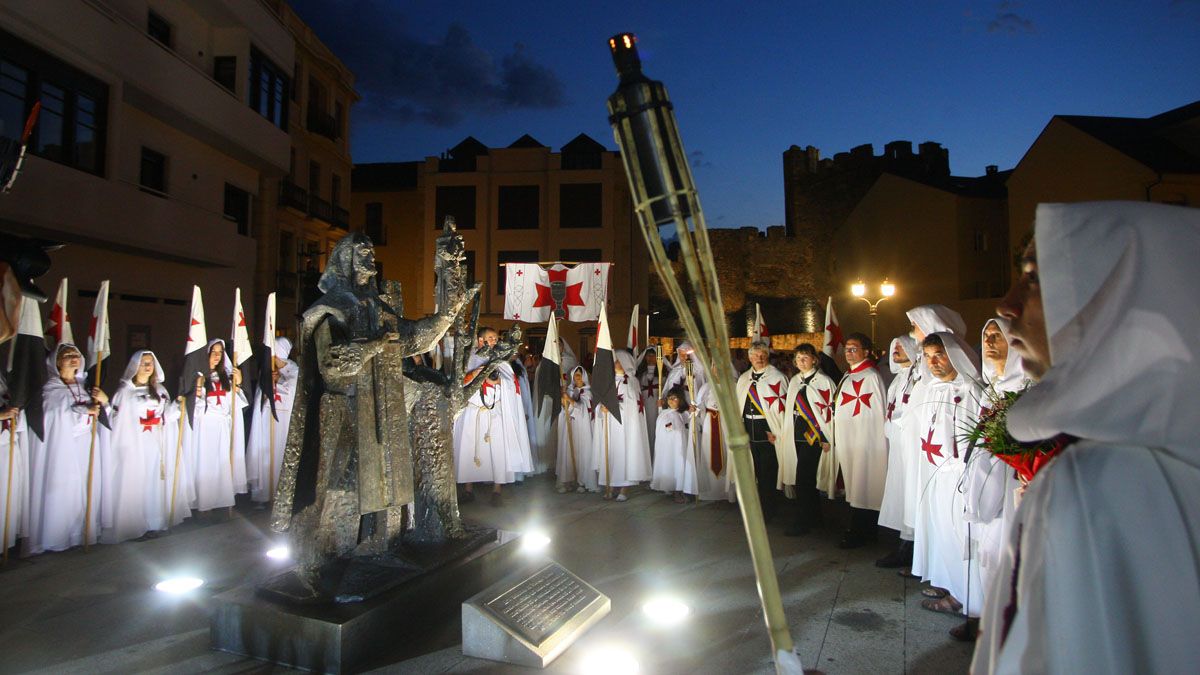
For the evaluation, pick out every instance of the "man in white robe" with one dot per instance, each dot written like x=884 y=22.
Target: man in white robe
x=268 y=435
x=1106 y=315
x=804 y=428
x=902 y=353
x=859 y=447
x=941 y=537
x=761 y=394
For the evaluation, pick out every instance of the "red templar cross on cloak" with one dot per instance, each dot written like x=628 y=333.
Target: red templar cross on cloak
x=150 y=421
x=860 y=399
x=218 y=392
x=777 y=399
x=545 y=298
x=930 y=448
x=824 y=407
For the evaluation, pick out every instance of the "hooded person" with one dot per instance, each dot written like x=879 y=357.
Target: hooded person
x=648 y=380
x=1105 y=315
x=762 y=392
x=941 y=540
x=574 y=467
x=141 y=461
x=674 y=455
x=902 y=354
x=14 y=468
x=487 y=449
x=713 y=468
x=58 y=462
x=858 y=447
x=686 y=371
x=268 y=435
x=804 y=430
x=218 y=456
x=620 y=449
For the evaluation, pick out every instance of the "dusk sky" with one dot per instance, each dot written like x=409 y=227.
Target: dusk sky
x=749 y=79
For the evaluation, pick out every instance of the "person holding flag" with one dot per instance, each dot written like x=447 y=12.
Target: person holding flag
x=218 y=455
x=20 y=414
x=810 y=392
x=620 y=449
x=574 y=466
x=272 y=418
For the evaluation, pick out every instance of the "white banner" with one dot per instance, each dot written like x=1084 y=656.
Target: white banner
x=574 y=294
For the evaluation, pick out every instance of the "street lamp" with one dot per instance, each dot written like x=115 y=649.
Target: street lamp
x=886 y=290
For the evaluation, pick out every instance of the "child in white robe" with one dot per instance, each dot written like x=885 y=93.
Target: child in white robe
x=268 y=435
x=574 y=466
x=675 y=449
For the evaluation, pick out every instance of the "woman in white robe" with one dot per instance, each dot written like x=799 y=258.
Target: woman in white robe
x=218 y=455
x=574 y=467
x=14 y=469
x=675 y=451
x=58 y=490
x=268 y=434
x=620 y=449
x=648 y=379
x=140 y=464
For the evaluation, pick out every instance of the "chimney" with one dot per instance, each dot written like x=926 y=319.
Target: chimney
x=991 y=169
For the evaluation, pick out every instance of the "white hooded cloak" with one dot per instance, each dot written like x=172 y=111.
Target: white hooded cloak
x=904 y=378
x=268 y=436
x=621 y=450
x=859 y=447
x=575 y=464
x=218 y=468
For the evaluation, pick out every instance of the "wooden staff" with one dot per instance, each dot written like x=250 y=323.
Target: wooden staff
x=658 y=365
x=87 y=512
x=271 y=466
x=695 y=414
x=571 y=443
x=12 y=443
x=232 y=425
x=607 y=466
x=178 y=459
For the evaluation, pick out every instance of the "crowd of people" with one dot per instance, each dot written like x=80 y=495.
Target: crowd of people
x=88 y=468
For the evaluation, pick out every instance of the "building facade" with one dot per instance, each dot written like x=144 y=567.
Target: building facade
x=521 y=203
x=160 y=123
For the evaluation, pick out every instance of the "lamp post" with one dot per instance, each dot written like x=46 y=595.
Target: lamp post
x=886 y=290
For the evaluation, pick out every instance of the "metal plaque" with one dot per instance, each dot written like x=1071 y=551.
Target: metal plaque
x=543 y=603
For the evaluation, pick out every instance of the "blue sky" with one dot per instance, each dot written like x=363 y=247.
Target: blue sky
x=749 y=79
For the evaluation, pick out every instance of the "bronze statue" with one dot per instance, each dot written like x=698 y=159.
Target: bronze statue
x=348 y=466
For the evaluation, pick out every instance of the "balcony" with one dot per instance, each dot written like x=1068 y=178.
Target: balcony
x=319 y=208
x=293 y=195
x=322 y=123
x=341 y=218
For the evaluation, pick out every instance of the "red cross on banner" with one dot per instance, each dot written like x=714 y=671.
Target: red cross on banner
x=930 y=448
x=150 y=421
x=860 y=399
x=573 y=297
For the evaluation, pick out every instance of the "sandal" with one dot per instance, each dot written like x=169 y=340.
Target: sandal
x=946 y=605
x=933 y=592
x=967 y=631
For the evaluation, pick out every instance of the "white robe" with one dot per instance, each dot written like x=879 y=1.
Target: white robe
x=264 y=453
x=574 y=462
x=941 y=540
x=58 y=470
x=218 y=471
x=674 y=454
x=484 y=449
x=516 y=428
x=649 y=384
x=712 y=452
x=1101 y=573
x=620 y=450
x=14 y=472
x=859 y=447
x=140 y=464
x=895 y=488
x=538 y=463
x=818 y=392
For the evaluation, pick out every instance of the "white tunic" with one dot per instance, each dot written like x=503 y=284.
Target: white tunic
x=574 y=462
x=484 y=450
x=268 y=436
x=218 y=468
x=621 y=450
x=58 y=470
x=895 y=488
x=714 y=473
x=674 y=454
x=649 y=384
x=859 y=447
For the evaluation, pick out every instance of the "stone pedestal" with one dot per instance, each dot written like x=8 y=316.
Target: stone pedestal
x=413 y=618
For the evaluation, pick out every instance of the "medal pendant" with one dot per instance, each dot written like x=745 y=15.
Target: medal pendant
x=487 y=438
x=478 y=463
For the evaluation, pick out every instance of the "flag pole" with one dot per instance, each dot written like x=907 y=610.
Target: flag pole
x=232 y=420
x=87 y=512
x=271 y=466
x=12 y=442
x=178 y=455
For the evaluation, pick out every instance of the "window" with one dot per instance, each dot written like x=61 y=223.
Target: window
x=71 y=126
x=580 y=205
x=225 y=72
x=511 y=257
x=237 y=208
x=581 y=255
x=314 y=179
x=153 y=178
x=335 y=189
x=268 y=89
x=158 y=28
x=373 y=224
x=518 y=207
x=457 y=201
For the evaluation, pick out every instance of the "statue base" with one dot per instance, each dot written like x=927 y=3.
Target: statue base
x=410 y=605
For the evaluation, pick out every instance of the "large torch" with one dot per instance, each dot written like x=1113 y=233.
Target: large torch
x=664 y=195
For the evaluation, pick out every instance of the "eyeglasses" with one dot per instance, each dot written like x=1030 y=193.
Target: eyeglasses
x=852 y=349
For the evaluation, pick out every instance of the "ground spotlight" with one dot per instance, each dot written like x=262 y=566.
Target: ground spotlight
x=666 y=610
x=535 y=541
x=610 y=660
x=280 y=553
x=179 y=585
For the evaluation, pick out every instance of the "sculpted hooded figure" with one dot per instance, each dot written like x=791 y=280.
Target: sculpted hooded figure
x=347 y=467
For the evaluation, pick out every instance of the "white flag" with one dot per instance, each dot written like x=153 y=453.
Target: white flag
x=59 y=330
x=197 y=332
x=98 y=347
x=759 y=332
x=631 y=340
x=241 y=333
x=833 y=330
x=268 y=336
x=574 y=294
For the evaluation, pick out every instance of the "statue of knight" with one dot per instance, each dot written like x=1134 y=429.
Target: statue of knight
x=347 y=468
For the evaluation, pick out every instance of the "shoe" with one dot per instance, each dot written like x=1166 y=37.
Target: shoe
x=851 y=540
x=496 y=499
x=893 y=560
x=933 y=592
x=561 y=489
x=467 y=498
x=796 y=530
x=946 y=605
x=967 y=631
x=622 y=497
